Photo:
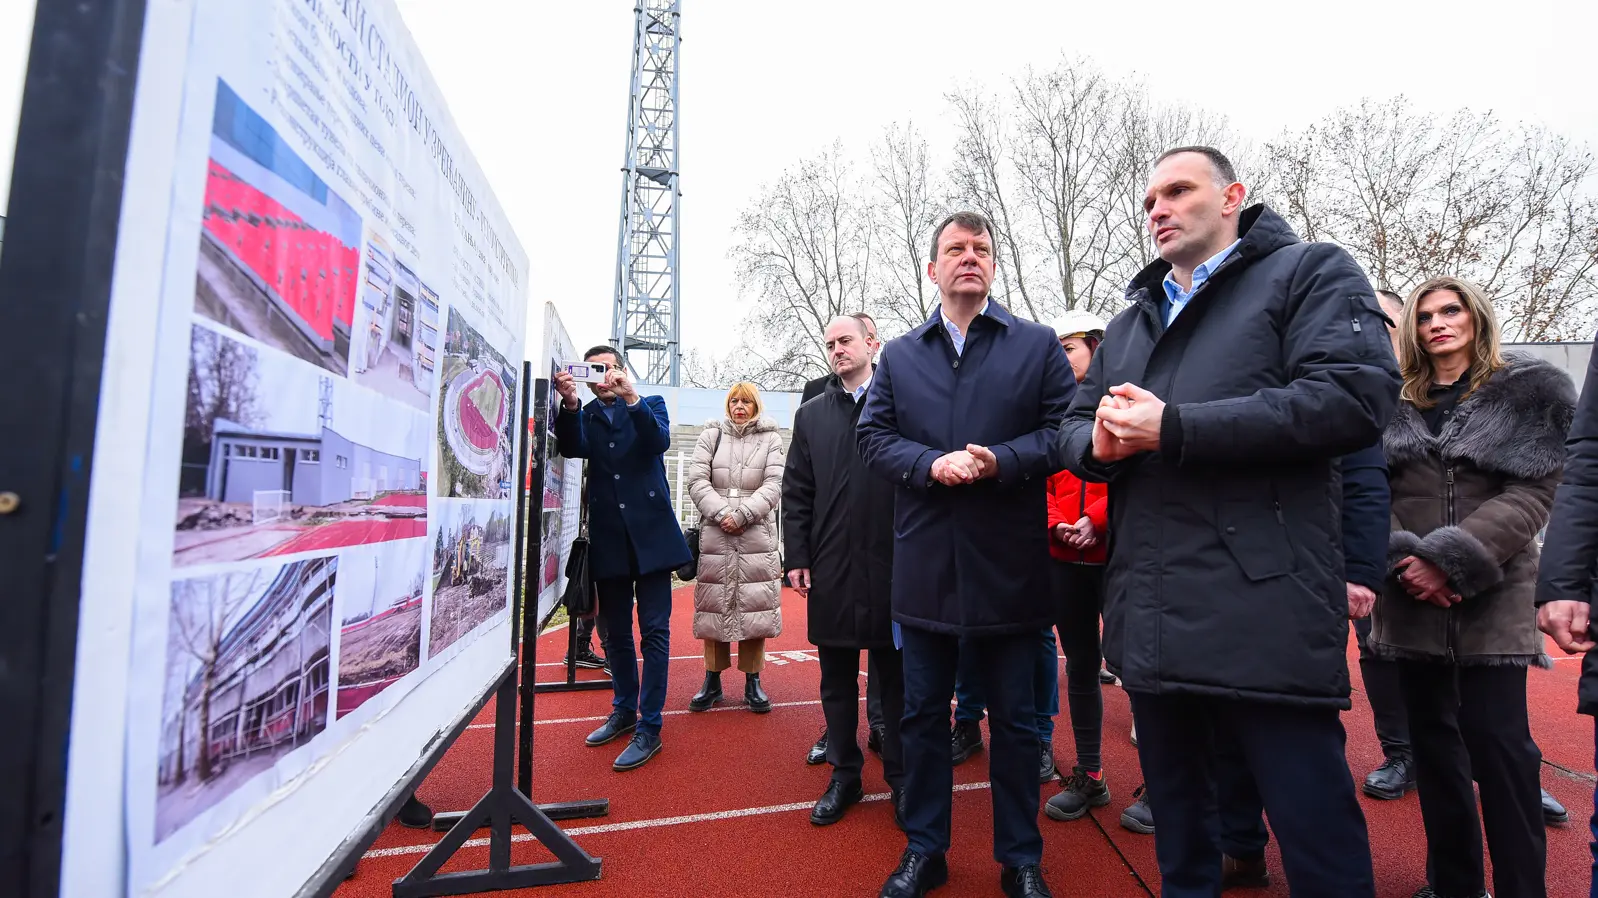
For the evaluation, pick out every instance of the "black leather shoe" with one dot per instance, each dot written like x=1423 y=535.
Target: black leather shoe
x=965 y=740
x=818 y=752
x=1046 y=769
x=1553 y=811
x=1138 y=816
x=1024 y=882
x=916 y=875
x=897 y=797
x=617 y=723
x=835 y=801
x=1391 y=781
x=874 y=740
x=708 y=694
x=414 y=814
x=754 y=696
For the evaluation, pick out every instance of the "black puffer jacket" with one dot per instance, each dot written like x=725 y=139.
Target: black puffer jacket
x=1226 y=570
x=1570 y=553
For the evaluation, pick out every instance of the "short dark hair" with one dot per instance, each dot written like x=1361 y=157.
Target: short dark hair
x=1390 y=296
x=1223 y=166
x=602 y=349
x=974 y=222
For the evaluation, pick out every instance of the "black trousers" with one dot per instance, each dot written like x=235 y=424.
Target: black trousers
x=840 y=703
x=1380 y=677
x=1079 y=590
x=1240 y=810
x=1295 y=755
x=1465 y=722
x=1005 y=666
x=874 y=693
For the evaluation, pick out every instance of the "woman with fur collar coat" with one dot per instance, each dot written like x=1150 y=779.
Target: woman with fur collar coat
x=1474 y=454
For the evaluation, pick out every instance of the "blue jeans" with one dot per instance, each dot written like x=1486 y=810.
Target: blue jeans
x=969 y=704
x=616 y=599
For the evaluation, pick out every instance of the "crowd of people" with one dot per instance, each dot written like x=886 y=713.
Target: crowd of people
x=1257 y=451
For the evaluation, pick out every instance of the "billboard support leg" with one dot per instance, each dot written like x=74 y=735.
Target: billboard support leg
x=505 y=803
x=502 y=806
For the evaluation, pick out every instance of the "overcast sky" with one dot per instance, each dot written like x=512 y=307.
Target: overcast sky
x=539 y=91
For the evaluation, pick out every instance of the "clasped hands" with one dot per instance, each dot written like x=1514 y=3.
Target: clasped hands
x=966 y=465
x=1426 y=582
x=1127 y=422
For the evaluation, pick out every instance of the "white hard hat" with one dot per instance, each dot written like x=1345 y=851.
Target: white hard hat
x=1078 y=321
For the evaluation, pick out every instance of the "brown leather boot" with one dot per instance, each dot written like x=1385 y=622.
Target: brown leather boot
x=1236 y=874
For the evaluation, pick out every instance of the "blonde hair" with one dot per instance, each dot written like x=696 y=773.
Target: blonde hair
x=745 y=390
x=1415 y=363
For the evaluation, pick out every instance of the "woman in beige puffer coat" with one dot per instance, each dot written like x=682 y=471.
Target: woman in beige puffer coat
x=736 y=482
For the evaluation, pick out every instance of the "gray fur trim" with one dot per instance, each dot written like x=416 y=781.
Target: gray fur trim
x=1515 y=424
x=1400 y=545
x=1469 y=566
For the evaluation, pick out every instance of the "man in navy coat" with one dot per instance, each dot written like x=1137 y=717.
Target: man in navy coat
x=960 y=416
x=635 y=542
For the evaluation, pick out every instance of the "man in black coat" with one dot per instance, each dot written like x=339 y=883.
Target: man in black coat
x=1565 y=577
x=1366 y=509
x=838 y=543
x=812 y=389
x=1216 y=408
x=960 y=419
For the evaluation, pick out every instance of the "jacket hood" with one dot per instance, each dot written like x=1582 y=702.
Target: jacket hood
x=1514 y=424
x=762 y=424
x=1262 y=231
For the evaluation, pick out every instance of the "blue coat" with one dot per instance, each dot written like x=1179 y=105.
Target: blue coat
x=628 y=499
x=970 y=559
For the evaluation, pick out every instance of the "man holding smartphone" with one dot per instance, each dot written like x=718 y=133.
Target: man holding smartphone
x=634 y=539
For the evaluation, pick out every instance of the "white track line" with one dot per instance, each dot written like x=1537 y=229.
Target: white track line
x=603 y=717
x=602 y=828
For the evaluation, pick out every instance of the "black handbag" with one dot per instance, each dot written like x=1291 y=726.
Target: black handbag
x=580 y=598
x=691 y=535
x=691 y=569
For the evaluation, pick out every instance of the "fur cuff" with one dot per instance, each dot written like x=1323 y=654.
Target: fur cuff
x=1400 y=545
x=1469 y=566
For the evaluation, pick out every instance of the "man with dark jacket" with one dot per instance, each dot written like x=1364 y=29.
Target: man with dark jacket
x=634 y=541
x=960 y=419
x=1216 y=408
x=1366 y=506
x=812 y=389
x=838 y=542
x=1565 y=577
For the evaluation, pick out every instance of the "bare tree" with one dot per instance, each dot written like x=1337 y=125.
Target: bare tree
x=203 y=611
x=805 y=250
x=980 y=177
x=1511 y=209
x=907 y=210
x=223 y=380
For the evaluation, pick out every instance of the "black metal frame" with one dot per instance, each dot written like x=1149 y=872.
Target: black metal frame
x=505 y=803
x=571 y=683
x=55 y=294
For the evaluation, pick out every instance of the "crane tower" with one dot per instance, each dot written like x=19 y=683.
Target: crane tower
x=645 y=319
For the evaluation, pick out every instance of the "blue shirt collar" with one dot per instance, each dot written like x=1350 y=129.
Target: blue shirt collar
x=1174 y=291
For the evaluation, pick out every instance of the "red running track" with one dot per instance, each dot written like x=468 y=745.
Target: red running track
x=404 y=500
x=724 y=808
x=350 y=533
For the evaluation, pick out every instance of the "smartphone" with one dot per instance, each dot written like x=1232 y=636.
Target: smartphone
x=584 y=372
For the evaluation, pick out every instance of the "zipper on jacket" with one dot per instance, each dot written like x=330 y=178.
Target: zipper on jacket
x=1280 y=518
x=1451 y=622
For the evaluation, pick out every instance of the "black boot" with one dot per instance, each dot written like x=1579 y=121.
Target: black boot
x=708 y=694
x=758 y=701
